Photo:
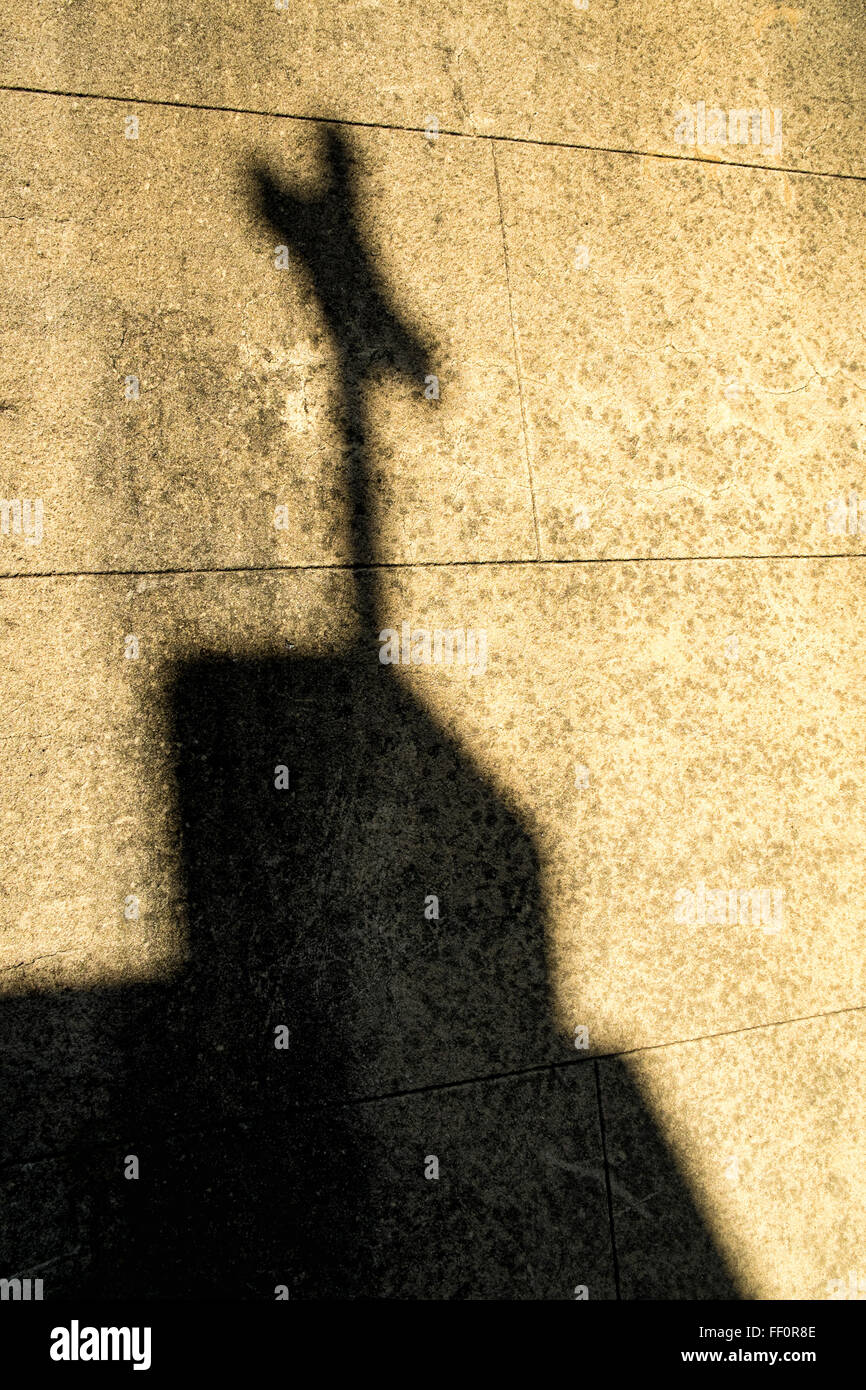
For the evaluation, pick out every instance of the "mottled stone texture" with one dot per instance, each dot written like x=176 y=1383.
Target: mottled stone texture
x=150 y=259
x=535 y=973
x=591 y=74
x=690 y=385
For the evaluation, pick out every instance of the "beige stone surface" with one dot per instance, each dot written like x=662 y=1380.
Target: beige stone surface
x=90 y=817
x=652 y=727
x=146 y=258
x=663 y=725
x=693 y=354
x=583 y=921
x=768 y=1128
x=609 y=76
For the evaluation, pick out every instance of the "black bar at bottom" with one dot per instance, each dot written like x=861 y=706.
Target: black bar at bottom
x=164 y=1339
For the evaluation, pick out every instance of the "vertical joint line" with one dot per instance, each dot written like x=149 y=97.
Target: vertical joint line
x=607 y=1181
x=514 y=343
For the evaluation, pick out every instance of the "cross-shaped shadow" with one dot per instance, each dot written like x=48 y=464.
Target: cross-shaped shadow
x=310 y=909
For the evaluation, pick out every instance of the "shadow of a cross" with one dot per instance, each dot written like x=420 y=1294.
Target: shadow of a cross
x=412 y=1037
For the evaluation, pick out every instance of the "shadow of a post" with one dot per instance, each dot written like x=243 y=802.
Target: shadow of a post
x=411 y=1038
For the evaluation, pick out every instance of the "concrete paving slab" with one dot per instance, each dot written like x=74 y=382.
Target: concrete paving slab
x=692 y=353
x=46 y=1229
x=766 y=1127
x=618 y=77
x=486 y=1191
x=255 y=823
x=329 y=952
x=288 y=840
x=680 y=738
x=172 y=394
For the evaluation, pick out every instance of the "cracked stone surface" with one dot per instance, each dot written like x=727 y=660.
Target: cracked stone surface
x=584 y=74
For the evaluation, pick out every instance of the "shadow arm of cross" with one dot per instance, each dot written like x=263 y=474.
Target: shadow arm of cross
x=324 y=233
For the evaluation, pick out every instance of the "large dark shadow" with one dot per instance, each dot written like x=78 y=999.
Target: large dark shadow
x=263 y=1166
